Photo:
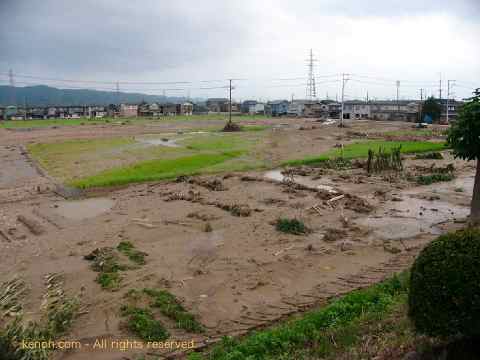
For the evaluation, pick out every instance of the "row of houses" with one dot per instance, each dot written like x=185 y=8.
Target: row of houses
x=298 y=108
x=77 y=112
x=404 y=110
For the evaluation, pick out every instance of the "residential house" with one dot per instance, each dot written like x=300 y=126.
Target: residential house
x=200 y=108
x=402 y=110
x=218 y=105
x=113 y=110
x=36 y=113
x=334 y=110
x=252 y=107
x=97 y=112
x=128 y=110
x=168 y=109
x=387 y=110
x=51 y=112
x=185 y=109
x=277 y=108
x=356 y=110
x=76 y=112
x=296 y=108
x=453 y=109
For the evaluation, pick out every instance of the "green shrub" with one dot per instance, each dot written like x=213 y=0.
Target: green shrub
x=444 y=297
x=291 y=226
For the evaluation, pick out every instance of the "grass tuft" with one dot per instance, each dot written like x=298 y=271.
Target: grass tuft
x=136 y=256
x=142 y=323
x=291 y=226
x=171 y=308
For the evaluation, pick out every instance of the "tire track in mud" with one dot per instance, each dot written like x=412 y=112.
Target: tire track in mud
x=266 y=315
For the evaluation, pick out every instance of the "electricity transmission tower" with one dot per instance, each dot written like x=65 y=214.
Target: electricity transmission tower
x=311 y=88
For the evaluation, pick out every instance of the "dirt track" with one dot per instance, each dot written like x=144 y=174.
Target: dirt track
x=241 y=275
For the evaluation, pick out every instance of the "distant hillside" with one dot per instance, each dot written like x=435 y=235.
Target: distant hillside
x=42 y=95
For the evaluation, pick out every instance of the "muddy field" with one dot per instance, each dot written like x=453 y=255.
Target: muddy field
x=213 y=241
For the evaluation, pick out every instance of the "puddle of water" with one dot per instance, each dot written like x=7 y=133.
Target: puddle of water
x=277 y=175
x=84 y=209
x=412 y=217
x=158 y=142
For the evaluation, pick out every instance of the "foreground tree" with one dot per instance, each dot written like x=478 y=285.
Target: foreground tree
x=432 y=108
x=464 y=138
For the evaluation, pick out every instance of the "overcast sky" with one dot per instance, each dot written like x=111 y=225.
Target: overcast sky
x=260 y=42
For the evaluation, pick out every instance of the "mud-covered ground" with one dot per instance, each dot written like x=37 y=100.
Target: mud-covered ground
x=212 y=240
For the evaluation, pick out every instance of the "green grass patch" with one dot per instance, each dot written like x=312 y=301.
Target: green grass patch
x=291 y=226
x=154 y=170
x=171 y=308
x=360 y=150
x=434 y=178
x=108 y=263
x=314 y=329
x=255 y=127
x=136 y=256
x=142 y=323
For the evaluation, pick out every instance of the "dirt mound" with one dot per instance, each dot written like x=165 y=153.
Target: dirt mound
x=230 y=126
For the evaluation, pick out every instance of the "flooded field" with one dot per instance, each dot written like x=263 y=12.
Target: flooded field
x=211 y=238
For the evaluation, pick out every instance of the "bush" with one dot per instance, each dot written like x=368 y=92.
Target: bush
x=444 y=297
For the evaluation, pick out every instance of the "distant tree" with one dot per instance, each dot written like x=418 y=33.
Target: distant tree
x=464 y=138
x=432 y=108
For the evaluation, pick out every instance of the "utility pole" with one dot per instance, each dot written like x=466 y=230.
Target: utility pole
x=440 y=89
x=311 y=88
x=230 y=103
x=398 y=98
x=344 y=81
x=118 y=92
x=25 y=108
x=11 y=81
x=452 y=82
x=421 y=94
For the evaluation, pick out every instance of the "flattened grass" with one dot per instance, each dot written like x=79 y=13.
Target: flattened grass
x=155 y=170
x=360 y=150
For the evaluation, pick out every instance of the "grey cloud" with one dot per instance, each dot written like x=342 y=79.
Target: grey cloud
x=105 y=36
